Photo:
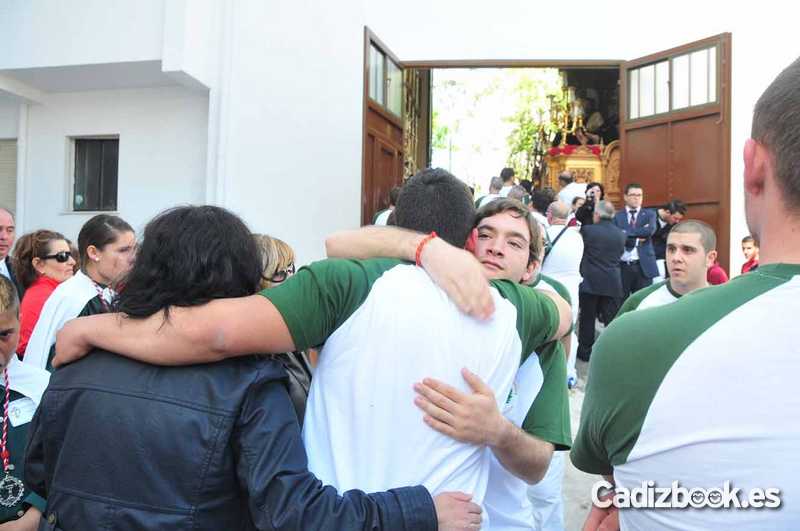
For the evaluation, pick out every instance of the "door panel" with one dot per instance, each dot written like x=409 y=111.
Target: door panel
x=648 y=162
x=682 y=153
x=696 y=176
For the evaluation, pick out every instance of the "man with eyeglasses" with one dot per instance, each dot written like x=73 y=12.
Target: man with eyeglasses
x=638 y=262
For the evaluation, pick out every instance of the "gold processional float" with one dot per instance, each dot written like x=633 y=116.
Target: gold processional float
x=587 y=162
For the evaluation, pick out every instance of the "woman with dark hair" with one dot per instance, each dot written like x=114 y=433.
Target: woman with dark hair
x=107 y=246
x=42 y=262
x=595 y=192
x=203 y=447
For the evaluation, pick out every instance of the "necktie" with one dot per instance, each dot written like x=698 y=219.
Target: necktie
x=633 y=217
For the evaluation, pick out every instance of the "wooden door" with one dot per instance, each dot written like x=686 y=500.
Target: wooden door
x=383 y=127
x=675 y=120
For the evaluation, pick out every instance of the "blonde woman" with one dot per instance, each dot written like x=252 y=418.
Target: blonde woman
x=277 y=259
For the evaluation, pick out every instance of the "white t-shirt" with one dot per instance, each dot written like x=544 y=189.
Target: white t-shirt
x=362 y=429
x=571 y=191
x=564 y=261
x=701 y=391
x=485 y=200
x=505 y=189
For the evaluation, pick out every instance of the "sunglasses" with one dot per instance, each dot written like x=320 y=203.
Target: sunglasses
x=283 y=274
x=61 y=257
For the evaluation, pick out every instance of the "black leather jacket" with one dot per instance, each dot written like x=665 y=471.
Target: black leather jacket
x=117 y=444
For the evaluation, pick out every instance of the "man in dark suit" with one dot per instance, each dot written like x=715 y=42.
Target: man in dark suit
x=601 y=289
x=7 y=235
x=638 y=261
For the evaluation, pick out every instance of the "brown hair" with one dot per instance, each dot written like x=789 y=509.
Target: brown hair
x=518 y=210
x=32 y=245
x=752 y=239
x=9 y=300
x=708 y=238
x=776 y=125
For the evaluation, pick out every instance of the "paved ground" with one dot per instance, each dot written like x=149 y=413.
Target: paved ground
x=577 y=485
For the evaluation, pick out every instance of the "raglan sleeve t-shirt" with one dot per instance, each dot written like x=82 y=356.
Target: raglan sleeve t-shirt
x=320 y=297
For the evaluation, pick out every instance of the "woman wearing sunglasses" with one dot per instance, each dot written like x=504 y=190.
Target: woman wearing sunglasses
x=43 y=261
x=107 y=247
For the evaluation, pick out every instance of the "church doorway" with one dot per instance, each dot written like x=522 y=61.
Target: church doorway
x=662 y=121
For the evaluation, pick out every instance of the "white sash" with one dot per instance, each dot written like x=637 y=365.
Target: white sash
x=65 y=303
x=27 y=380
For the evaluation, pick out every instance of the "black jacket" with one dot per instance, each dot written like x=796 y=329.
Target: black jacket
x=13 y=277
x=603 y=245
x=117 y=444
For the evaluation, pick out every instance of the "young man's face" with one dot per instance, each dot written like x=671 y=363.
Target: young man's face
x=634 y=198
x=674 y=218
x=750 y=250
x=687 y=261
x=503 y=247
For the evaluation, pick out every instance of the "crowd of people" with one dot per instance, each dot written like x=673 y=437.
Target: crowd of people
x=428 y=361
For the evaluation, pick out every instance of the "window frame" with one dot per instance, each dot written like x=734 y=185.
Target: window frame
x=70 y=169
x=387 y=57
x=670 y=96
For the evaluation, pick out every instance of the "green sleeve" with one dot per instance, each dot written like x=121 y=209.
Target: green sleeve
x=322 y=296
x=548 y=417
x=563 y=292
x=537 y=314
x=34 y=500
x=635 y=299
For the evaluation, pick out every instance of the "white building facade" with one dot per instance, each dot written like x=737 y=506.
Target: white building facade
x=257 y=105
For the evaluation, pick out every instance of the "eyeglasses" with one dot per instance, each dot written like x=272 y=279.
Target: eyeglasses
x=61 y=257
x=283 y=274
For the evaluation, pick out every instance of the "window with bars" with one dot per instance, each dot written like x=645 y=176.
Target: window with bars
x=95 y=178
x=680 y=82
x=385 y=81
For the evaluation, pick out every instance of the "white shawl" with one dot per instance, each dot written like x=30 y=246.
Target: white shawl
x=27 y=380
x=65 y=303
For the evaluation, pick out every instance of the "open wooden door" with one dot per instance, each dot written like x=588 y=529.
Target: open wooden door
x=383 y=126
x=675 y=123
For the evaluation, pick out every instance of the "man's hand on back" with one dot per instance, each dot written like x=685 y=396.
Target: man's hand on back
x=455 y=512
x=460 y=275
x=470 y=418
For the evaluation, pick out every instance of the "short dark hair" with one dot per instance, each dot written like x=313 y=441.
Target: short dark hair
x=189 y=256
x=527 y=185
x=676 y=206
x=435 y=200
x=507 y=174
x=566 y=176
x=394 y=193
x=776 y=125
x=750 y=239
x=518 y=210
x=541 y=199
x=630 y=186
x=708 y=238
x=99 y=231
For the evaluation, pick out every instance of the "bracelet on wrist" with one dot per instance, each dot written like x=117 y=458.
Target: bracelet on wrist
x=422 y=245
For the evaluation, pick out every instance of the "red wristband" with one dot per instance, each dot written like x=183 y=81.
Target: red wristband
x=422 y=245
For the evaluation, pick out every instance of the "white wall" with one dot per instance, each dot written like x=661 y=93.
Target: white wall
x=36 y=33
x=9 y=119
x=162 y=152
x=292 y=161
x=191 y=38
